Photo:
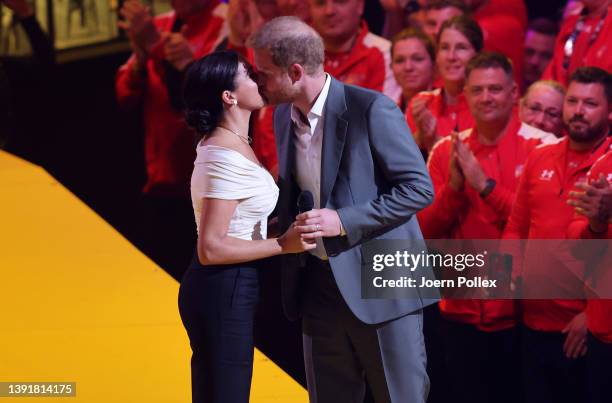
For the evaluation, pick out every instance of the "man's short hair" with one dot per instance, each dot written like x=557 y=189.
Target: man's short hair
x=290 y=41
x=489 y=60
x=543 y=26
x=555 y=85
x=440 y=4
x=593 y=75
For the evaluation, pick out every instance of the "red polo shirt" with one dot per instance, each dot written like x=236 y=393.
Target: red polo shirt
x=586 y=53
x=541 y=211
x=599 y=311
x=367 y=64
x=466 y=215
x=503 y=23
x=448 y=117
x=169 y=143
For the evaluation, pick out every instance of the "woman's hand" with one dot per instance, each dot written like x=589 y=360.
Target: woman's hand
x=293 y=242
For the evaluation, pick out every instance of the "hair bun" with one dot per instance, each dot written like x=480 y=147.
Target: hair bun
x=201 y=120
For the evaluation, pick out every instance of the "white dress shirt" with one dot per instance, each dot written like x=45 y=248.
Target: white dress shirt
x=308 y=147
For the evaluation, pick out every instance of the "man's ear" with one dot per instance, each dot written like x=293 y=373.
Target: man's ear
x=296 y=72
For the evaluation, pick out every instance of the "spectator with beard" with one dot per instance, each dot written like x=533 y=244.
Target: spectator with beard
x=554 y=337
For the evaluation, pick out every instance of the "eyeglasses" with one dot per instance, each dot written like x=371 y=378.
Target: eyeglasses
x=549 y=113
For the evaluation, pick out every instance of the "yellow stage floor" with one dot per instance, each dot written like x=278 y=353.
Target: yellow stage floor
x=80 y=304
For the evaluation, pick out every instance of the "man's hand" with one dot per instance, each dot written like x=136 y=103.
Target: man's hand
x=318 y=223
x=456 y=180
x=177 y=49
x=426 y=124
x=472 y=171
x=21 y=8
x=138 y=22
x=575 y=342
x=594 y=201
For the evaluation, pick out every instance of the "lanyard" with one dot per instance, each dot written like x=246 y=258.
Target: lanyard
x=568 y=49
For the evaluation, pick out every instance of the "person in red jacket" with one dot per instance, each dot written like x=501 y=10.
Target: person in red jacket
x=435 y=114
x=475 y=174
x=162 y=47
x=593 y=206
x=539 y=49
x=542 y=106
x=353 y=54
x=412 y=62
x=555 y=330
x=437 y=12
x=503 y=23
x=584 y=40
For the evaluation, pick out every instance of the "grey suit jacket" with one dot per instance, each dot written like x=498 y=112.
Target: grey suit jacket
x=373 y=175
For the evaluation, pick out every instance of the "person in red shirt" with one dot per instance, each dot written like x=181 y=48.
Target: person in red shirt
x=475 y=174
x=412 y=62
x=542 y=106
x=437 y=12
x=435 y=114
x=539 y=49
x=503 y=23
x=555 y=330
x=353 y=54
x=593 y=204
x=162 y=47
x=584 y=40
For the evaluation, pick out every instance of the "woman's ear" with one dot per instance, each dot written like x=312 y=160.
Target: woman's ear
x=228 y=98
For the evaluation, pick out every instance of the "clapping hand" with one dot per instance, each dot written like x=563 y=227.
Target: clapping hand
x=594 y=201
x=426 y=124
x=138 y=23
x=470 y=167
x=177 y=49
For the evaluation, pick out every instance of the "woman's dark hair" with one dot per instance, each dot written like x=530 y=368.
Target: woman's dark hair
x=468 y=27
x=205 y=81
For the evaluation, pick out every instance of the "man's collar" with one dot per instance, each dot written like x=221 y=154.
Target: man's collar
x=317 y=108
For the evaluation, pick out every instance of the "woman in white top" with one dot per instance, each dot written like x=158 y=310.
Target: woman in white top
x=232 y=197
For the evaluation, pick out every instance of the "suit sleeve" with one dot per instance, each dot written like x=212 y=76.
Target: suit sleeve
x=402 y=165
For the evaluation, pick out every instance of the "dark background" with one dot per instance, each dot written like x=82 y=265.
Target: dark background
x=96 y=151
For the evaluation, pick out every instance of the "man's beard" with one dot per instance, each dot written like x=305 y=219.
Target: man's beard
x=279 y=97
x=588 y=133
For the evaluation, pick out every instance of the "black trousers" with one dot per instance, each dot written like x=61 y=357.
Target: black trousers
x=217 y=306
x=483 y=367
x=549 y=376
x=599 y=370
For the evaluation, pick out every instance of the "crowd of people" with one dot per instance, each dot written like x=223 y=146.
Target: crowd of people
x=510 y=115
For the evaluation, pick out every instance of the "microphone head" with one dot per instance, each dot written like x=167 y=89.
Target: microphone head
x=305 y=201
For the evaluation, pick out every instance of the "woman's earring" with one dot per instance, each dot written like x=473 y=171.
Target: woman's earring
x=235 y=102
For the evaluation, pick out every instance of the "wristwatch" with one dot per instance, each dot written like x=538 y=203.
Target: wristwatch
x=489 y=186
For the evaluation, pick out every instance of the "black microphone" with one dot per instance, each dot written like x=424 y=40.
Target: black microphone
x=305 y=202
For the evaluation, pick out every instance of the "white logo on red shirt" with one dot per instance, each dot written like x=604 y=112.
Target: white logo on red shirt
x=547 y=175
x=609 y=178
x=518 y=171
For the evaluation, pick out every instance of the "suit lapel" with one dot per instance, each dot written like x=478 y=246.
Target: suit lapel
x=334 y=135
x=286 y=154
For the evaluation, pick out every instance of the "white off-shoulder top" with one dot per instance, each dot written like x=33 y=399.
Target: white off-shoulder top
x=223 y=173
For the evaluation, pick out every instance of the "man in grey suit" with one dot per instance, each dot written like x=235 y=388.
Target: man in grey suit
x=351 y=148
